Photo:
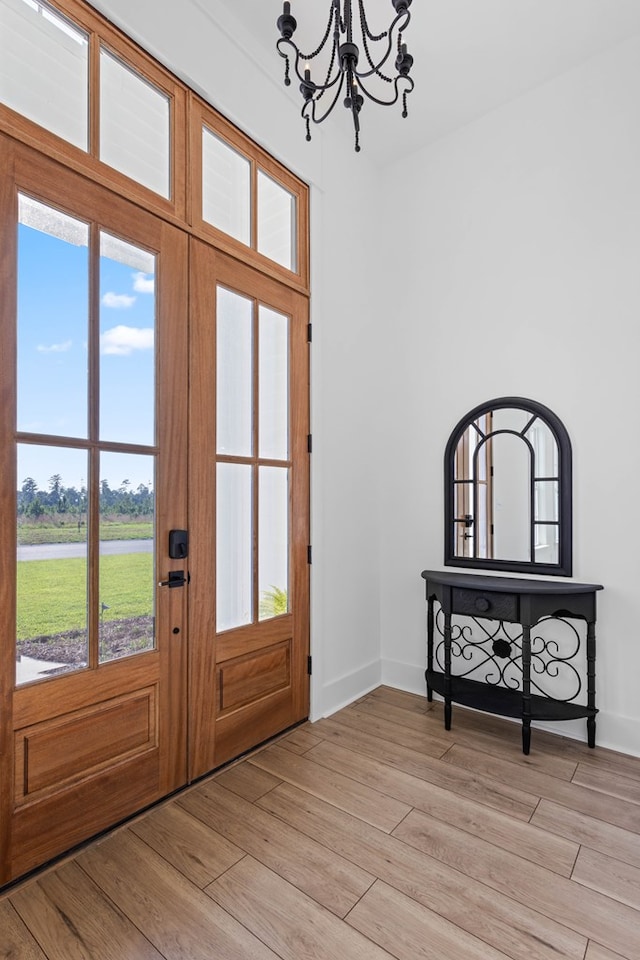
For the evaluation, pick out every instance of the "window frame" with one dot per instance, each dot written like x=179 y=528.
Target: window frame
x=202 y=115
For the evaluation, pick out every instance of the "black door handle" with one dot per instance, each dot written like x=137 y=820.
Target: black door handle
x=176 y=579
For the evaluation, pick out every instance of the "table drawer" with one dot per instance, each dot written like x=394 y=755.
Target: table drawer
x=479 y=603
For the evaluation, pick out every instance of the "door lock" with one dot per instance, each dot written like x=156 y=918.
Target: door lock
x=178 y=544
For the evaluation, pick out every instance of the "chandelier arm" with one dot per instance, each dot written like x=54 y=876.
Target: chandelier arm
x=279 y=44
x=398 y=93
x=297 y=57
x=321 y=87
x=309 y=107
x=374 y=72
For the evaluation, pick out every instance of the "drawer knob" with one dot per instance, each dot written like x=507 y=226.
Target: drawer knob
x=482 y=604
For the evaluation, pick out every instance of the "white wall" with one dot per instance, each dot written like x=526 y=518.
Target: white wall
x=521 y=271
x=508 y=265
x=248 y=89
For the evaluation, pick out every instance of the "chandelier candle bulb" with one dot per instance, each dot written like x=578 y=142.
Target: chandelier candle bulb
x=360 y=69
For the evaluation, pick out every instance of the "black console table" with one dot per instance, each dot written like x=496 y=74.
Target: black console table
x=507 y=649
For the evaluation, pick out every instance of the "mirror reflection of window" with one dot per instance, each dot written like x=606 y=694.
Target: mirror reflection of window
x=511 y=493
x=546 y=499
x=473 y=491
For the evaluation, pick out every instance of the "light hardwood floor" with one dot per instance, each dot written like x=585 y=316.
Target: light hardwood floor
x=371 y=835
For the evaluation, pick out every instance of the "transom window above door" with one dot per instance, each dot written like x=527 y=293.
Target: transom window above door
x=126 y=118
x=45 y=65
x=247 y=197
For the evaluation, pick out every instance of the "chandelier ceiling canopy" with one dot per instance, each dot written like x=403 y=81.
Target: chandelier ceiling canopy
x=359 y=70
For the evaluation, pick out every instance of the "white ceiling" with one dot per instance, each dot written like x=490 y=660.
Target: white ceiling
x=470 y=55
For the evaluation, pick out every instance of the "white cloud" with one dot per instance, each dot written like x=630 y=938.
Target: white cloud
x=122 y=341
x=142 y=283
x=118 y=301
x=54 y=347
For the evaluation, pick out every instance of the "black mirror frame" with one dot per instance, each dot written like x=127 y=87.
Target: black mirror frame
x=564 y=566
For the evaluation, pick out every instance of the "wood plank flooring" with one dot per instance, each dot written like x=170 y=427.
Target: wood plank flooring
x=371 y=835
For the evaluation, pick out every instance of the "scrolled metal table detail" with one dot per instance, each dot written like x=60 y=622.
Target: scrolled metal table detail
x=548 y=657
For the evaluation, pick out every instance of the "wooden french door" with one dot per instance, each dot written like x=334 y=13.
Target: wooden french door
x=149 y=384
x=93 y=474
x=248 y=508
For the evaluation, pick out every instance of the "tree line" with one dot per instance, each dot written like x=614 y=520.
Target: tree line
x=60 y=499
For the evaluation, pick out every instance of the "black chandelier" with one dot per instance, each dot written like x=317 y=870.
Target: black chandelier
x=344 y=70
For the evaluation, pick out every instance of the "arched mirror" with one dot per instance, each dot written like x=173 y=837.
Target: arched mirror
x=508 y=489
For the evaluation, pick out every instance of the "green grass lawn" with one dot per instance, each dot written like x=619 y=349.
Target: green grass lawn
x=69 y=533
x=52 y=594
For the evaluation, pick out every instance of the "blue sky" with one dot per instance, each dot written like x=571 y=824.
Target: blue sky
x=53 y=335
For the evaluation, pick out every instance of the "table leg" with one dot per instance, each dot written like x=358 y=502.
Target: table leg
x=591 y=682
x=526 y=689
x=430 y=629
x=447 y=671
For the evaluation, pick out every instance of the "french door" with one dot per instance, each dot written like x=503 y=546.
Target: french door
x=132 y=664
x=93 y=477
x=248 y=508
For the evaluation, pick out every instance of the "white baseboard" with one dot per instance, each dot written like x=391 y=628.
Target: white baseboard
x=612 y=730
x=343 y=691
x=404 y=676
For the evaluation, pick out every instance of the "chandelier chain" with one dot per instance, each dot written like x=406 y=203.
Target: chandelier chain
x=329 y=72
x=365 y=26
x=365 y=45
x=321 y=46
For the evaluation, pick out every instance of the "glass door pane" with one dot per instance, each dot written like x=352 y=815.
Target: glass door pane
x=274 y=384
x=127 y=342
x=126 y=594
x=273 y=565
x=234 y=547
x=52 y=597
x=53 y=320
x=234 y=374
